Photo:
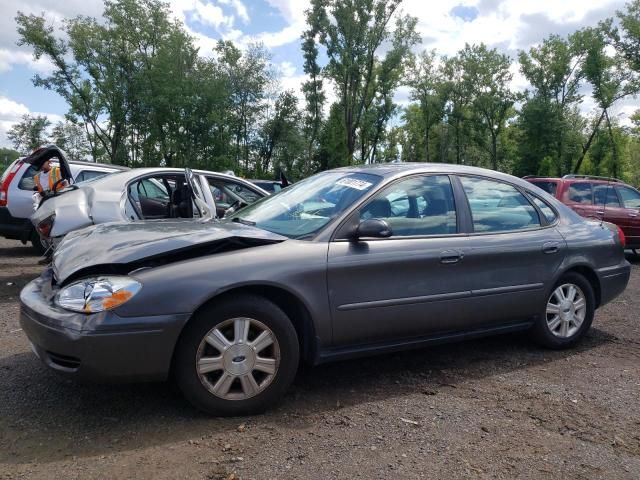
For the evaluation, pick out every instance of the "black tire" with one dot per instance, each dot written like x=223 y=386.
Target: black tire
x=247 y=306
x=37 y=244
x=541 y=330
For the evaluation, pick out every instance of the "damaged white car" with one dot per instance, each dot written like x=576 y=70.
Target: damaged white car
x=143 y=194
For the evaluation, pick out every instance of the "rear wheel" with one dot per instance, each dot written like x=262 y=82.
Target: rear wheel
x=237 y=357
x=567 y=314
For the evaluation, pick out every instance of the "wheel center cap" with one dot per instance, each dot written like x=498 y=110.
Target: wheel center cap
x=239 y=359
x=566 y=310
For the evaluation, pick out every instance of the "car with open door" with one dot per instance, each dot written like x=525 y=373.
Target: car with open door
x=346 y=263
x=17 y=187
x=143 y=194
x=598 y=198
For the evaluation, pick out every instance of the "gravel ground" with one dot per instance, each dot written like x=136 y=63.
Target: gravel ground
x=495 y=408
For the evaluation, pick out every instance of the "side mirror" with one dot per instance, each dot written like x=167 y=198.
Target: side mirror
x=373 y=228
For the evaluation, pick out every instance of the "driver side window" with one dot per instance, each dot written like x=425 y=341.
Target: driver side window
x=422 y=205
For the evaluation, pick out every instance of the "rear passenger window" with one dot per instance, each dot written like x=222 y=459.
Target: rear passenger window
x=580 y=193
x=608 y=192
x=498 y=207
x=630 y=197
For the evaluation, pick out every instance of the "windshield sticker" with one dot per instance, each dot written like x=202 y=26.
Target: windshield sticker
x=354 y=183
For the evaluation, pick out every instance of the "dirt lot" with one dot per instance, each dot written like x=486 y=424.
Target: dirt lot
x=496 y=408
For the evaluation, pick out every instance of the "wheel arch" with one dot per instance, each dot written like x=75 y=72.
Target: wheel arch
x=590 y=275
x=290 y=303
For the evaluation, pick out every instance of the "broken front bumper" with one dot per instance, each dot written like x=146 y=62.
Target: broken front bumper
x=101 y=346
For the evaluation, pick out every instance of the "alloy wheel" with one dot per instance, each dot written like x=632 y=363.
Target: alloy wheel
x=238 y=359
x=566 y=310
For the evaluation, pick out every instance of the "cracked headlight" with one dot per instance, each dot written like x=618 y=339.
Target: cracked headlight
x=92 y=295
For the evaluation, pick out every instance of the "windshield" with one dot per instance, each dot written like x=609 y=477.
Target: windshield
x=307 y=206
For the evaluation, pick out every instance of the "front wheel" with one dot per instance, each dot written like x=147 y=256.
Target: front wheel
x=567 y=314
x=237 y=357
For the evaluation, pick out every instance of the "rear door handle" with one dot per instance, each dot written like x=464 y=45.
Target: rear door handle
x=550 y=247
x=450 y=256
x=600 y=212
x=631 y=214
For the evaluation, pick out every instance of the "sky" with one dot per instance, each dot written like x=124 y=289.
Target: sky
x=446 y=25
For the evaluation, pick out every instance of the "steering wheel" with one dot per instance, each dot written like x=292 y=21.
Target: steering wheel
x=238 y=204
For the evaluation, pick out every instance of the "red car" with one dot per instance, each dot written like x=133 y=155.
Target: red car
x=586 y=195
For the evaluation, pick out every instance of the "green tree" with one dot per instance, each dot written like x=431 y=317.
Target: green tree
x=333 y=151
x=352 y=32
x=488 y=79
x=313 y=87
x=427 y=88
x=249 y=74
x=554 y=71
x=626 y=35
x=607 y=74
x=283 y=143
x=72 y=139
x=7 y=156
x=457 y=114
x=29 y=133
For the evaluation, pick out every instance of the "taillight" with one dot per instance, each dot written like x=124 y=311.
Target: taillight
x=45 y=226
x=6 y=181
x=621 y=237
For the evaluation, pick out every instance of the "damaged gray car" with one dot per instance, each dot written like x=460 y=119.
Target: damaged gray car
x=346 y=263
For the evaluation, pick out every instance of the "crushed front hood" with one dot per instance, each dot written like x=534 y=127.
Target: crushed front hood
x=120 y=247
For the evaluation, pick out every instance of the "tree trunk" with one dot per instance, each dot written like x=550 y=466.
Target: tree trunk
x=494 y=149
x=613 y=145
x=586 y=146
x=426 y=142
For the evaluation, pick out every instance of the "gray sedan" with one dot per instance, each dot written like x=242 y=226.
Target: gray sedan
x=346 y=263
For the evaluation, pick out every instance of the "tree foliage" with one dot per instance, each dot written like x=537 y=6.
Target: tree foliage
x=140 y=93
x=29 y=134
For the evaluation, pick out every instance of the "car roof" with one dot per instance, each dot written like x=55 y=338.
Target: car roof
x=120 y=168
x=392 y=170
x=116 y=180
x=576 y=179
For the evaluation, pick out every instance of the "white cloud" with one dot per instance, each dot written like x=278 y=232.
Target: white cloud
x=9 y=58
x=11 y=112
x=238 y=6
x=209 y=14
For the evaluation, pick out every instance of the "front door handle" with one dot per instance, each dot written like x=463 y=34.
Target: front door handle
x=550 y=247
x=450 y=256
x=633 y=214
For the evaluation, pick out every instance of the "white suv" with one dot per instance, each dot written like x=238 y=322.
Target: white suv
x=17 y=186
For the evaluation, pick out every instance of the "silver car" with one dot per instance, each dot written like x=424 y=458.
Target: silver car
x=17 y=186
x=143 y=194
x=346 y=263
